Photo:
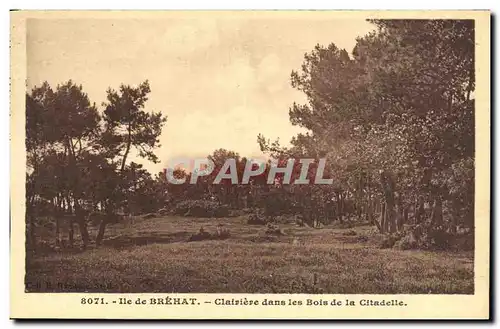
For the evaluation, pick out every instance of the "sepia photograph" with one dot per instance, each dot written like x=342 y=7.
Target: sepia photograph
x=240 y=153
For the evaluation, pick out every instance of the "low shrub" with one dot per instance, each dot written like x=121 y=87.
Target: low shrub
x=349 y=233
x=425 y=236
x=221 y=234
x=430 y=236
x=163 y=211
x=464 y=241
x=362 y=238
x=200 y=208
x=407 y=242
x=273 y=229
x=235 y=213
x=201 y=235
x=388 y=241
x=247 y=210
x=256 y=219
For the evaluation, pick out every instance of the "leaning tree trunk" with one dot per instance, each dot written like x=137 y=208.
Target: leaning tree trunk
x=82 y=225
x=104 y=222
x=100 y=232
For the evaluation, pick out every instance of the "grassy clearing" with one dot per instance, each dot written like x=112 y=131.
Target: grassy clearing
x=153 y=255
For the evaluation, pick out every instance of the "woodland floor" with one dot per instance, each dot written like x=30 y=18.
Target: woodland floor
x=153 y=255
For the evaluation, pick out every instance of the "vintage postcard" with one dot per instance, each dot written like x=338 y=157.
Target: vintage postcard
x=250 y=164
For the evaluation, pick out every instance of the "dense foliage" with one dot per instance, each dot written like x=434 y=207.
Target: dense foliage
x=395 y=120
x=77 y=155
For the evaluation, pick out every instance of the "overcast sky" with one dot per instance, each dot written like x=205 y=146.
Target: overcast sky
x=220 y=80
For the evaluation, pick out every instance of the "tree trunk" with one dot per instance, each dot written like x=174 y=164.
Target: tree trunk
x=76 y=192
x=32 y=230
x=71 y=233
x=437 y=212
x=388 y=188
x=419 y=210
x=369 y=210
x=341 y=207
x=127 y=150
x=110 y=214
x=387 y=222
x=471 y=80
x=361 y=200
x=400 y=214
x=100 y=233
x=58 y=214
x=82 y=225
x=454 y=225
x=405 y=215
x=455 y=215
x=63 y=203
x=83 y=231
x=58 y=231
x=383 y=221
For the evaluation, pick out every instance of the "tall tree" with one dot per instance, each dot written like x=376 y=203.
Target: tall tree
x=401 y=105
x=129 y=126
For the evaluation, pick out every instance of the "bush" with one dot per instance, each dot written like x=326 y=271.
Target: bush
x=362 y=238
x=423 y=236
x=200 y=208
x=407 y=242
x=201 y=235
x=273 y=229
x=388 y=241
x=256 y=219
x=260 y=218
x=236 y=213
x=349 y=233
x=282 y=219
x=247 y=210
x=221 y=234
x=430 y=236
x=163 y=211
x=464 y=241
x=439 y=238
